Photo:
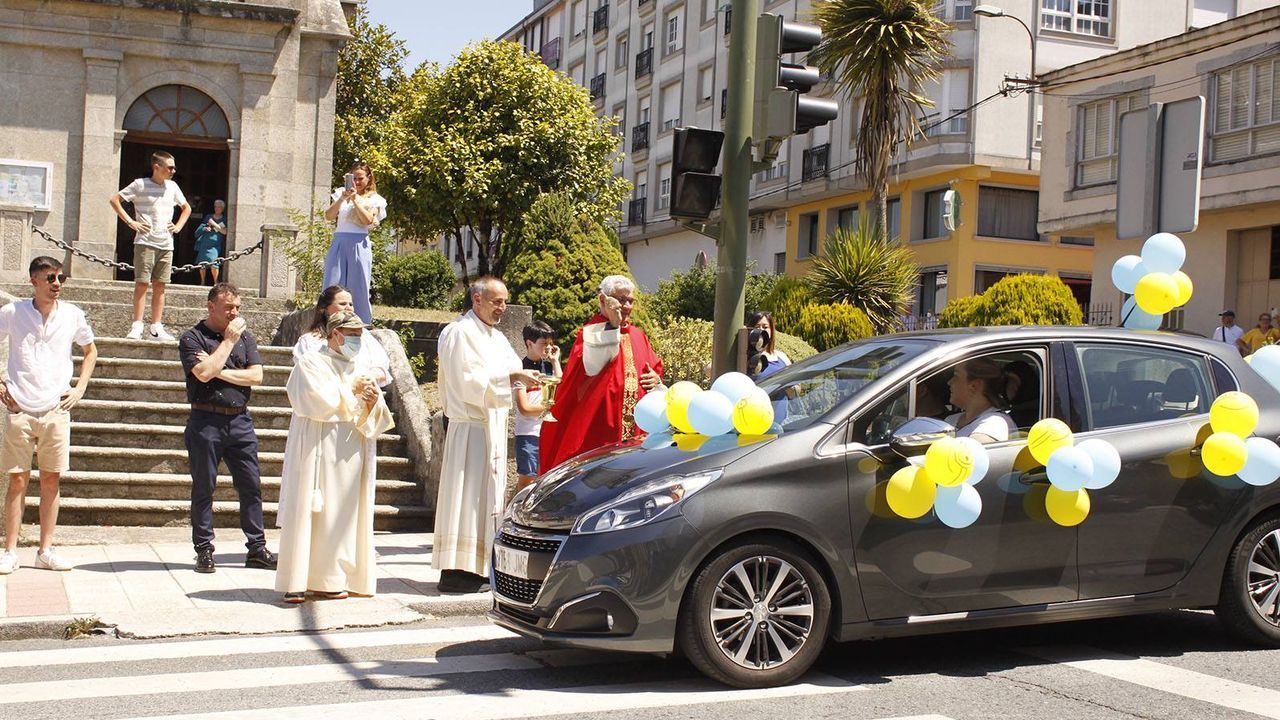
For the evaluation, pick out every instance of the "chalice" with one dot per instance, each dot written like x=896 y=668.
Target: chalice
x=549 y=385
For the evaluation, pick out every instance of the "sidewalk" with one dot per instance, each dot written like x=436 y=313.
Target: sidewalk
x=141 y=580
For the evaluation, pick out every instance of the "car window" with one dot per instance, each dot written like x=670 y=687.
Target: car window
x=1125 y=385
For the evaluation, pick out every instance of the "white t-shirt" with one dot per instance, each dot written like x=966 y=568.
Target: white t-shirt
x=40 y=365
x=1222 y=333
x=153 y=205
x=375 y=203
x=992 y=423
x=528 y=424
x=372 y=357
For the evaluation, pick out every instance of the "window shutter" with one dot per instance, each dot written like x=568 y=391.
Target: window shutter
x=1264 y=93
x=1222 y=103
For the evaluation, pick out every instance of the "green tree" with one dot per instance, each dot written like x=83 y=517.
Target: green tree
x=876 y=277
x=371 y=82
x=881 y=51
x=479 y=141
x=692 y=294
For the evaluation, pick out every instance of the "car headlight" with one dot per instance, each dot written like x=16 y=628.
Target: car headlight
x=644 y=504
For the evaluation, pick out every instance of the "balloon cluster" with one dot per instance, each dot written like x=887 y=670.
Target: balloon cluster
x=1072 y=469
x=734 y=402
x=1231 y=449
x=1155 y=280
x=952 y=466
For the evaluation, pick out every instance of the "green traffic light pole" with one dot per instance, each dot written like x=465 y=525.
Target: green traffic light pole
x=731 y=258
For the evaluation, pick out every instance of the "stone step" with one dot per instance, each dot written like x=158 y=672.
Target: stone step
x=121 y=348
x=162 y=413
x=170 y=437
x=114 y=319
x=177 y=486
x=151 y=460
x=121 y=293
x=131 y=369
x=155 y=513
x=163 y=391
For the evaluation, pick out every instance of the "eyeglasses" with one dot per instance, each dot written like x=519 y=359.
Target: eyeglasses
x=60 y=277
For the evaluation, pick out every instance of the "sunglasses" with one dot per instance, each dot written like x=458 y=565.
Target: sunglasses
x=60 y=277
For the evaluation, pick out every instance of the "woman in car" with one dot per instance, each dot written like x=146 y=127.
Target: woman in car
x=978 y=389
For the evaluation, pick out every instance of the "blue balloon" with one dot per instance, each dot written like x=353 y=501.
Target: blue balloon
x=958 y=506
x=657 y=441
x=1106 y=462
x=1263 y=465
x=651 y=413
x=711 y=414
x=1135 y=318
x=1069 y=468
x=1126 y=273
x=1266 y=362
x=733 y=385
x=1163 y=252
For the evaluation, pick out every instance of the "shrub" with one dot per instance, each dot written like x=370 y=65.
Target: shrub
x=418 y=280
x=1016 y=300
x=684 y=344
x=795 y=348
x=876 y=277
x=692 y=294
x=787 y=299
x=826 y=326
x=960 y=312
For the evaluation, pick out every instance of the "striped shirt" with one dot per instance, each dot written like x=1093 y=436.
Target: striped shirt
x=153 y=205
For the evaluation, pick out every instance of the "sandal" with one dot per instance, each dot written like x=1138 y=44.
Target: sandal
x=294 y=598
x=323 y=595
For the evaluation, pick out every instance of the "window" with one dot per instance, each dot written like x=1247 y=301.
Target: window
x=1209 y=12
x=933 y=214
x=779 y=170
x=954 y=10
x=1275 y=253
x=623 y=54
x=642 y=185
x=664 y=186
x=950 y=95
x=646 y=37
x=1038 y=133
x=757 y=222
x=895 y=218
x=578 y=73
x=1246 y=112
x=620 y=112
x=808 y=236
x=1008 y=213
x=578 y=18
x=845 y=217
x=1084 y=240
x=780 y=263
x=932 y=296
x=709 y=10
x=1130 y=384
x=1098 y=128
x=1086 y=17
x=673 y=32
x=644 y=110
x=985 y=278
x=671 y=106
x=706 y=83
x=602 y=61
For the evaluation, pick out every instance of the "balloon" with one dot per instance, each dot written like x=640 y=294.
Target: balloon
x=657 y=440
x=1156 y=293
x=1106 y=462
x=981 y=460
x=1224 y=454
x=1126 y=272
x=1163 y=253
x=733 y=385
x=1263 y=465
x=710 y=414
x=958 y=506
x=678 y=398
x=1135 y=318
x=1234 y=412
x=753 y=415
x=948 y=462
x=690 y=442
x=910 y=492
x=1069 y=468
x=1185 y=287
x=1067 y=508
x=1046 y=436
x=651 y=413
x=1266 y=362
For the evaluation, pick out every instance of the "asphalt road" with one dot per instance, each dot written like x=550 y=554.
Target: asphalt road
x=1167 y=666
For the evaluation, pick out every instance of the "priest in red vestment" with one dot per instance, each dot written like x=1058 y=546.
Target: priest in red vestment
x=610 y=368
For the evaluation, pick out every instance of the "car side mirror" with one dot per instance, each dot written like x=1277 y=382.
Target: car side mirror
x=915 y=436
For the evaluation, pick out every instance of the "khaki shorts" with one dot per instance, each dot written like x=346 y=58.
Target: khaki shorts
x=48 y=435
x=150 y=264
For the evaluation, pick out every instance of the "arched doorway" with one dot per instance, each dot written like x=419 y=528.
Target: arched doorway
x=189 y=125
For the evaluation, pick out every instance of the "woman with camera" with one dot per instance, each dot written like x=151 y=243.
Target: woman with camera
x=764 y=338
x=356 y=207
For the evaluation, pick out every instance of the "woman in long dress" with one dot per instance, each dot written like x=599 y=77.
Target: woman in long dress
x=356 y=208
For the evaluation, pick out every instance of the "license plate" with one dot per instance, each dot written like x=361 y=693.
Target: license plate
x=510 y=561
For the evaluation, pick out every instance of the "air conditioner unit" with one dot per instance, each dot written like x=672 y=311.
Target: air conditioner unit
x=779 y=218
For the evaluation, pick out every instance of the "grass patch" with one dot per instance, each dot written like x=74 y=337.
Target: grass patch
x=80 y=627
x=386 y=312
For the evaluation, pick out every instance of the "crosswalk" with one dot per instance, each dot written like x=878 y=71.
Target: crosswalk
x=477 y=671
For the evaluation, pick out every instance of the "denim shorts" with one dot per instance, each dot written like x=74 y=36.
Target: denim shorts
x=527 y=455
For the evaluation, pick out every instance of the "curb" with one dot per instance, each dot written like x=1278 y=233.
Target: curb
x=35 y=627
x=454 y=607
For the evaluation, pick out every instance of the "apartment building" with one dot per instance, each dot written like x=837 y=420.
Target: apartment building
x=1233 y=256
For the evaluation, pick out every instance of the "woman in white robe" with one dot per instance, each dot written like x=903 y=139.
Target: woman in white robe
x=327 y=493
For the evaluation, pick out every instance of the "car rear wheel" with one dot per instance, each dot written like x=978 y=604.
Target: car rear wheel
x=1249 y=604
x=756 y=615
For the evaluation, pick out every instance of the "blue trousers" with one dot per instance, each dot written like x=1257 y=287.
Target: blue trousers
x=350 y=264
x=211 y=438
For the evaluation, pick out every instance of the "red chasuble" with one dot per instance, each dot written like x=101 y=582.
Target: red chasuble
x=592 y=411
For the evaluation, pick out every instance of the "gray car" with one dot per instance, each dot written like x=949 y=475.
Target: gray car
x=748 y=554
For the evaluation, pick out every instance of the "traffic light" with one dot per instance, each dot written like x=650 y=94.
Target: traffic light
x=781 y=109
x=695 y=186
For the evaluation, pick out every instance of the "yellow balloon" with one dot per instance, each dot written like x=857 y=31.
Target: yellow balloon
x=1067 y=508
x=1224 y=454
x=753 y=415
x=1234 y=412
x=948 y=462
x=1046 y=436
x=910 y=492
x=678 y=398
x=1185 y=287
x=1157 y=293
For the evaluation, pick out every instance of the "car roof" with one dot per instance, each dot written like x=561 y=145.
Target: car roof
x=1070 y=333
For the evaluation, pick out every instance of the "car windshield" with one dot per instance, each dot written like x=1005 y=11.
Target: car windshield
x=804 y=392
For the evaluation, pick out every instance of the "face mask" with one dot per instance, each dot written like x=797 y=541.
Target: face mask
x=350 y=345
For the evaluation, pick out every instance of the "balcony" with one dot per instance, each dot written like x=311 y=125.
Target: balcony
x=644 y=63
x=551 y=53
x=813 y=162
x=600 y=19
x=635 y=212
x=640 y=137
x=597 y=87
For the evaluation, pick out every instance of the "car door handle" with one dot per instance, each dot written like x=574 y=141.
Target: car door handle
x=1035 y=478
x=1195 y=451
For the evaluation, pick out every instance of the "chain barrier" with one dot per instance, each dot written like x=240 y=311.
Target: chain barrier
x=118 y=265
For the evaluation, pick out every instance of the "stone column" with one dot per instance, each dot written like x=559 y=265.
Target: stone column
x=99 y=163
x=278 y=277
x=15 y=242
x=254 y=181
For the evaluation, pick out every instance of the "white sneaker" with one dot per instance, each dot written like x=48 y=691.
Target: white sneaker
x=135 y=331
x=159 y=333
x=49 y=560
x=8 y=562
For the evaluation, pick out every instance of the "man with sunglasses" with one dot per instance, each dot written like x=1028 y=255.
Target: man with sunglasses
x=39 y=396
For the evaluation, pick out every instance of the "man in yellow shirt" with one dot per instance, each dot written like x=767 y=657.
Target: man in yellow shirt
x=1261 y=335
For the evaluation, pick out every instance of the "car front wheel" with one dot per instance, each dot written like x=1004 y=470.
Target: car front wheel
x=1249 y=604
x=756 y=615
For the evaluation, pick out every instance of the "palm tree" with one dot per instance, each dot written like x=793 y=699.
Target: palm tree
x=862 y=270
x=881 y=51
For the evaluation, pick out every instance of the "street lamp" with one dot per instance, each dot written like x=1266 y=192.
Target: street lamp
x=994 y=12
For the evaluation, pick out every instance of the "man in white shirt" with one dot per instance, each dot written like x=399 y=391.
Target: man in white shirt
x=154 y=200
x=1228 y=332
x=39 y=396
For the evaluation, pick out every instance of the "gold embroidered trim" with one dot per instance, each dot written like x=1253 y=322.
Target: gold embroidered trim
x=630 y=388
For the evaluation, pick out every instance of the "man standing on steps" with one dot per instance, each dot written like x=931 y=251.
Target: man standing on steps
x=39 y=396
x=221 y=363
x=153 y=199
